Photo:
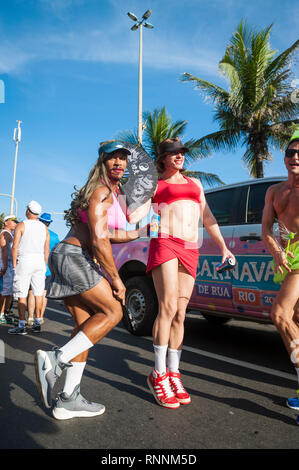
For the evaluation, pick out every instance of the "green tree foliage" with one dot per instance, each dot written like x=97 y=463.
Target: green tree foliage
x=260 y=106
x=158 y=126
x=1 y=220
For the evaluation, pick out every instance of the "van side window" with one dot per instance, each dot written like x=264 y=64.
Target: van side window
x=226 y=205
x=256 y=202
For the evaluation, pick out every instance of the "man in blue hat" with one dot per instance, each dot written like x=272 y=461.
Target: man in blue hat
x=54 y=239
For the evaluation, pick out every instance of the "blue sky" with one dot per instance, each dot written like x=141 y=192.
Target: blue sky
x=70 y=72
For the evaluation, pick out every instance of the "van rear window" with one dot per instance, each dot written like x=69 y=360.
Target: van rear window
x=226 y=205
x=240 y=205
x=256 y=202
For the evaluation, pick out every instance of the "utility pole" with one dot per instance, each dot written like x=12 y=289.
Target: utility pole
x=17 y=139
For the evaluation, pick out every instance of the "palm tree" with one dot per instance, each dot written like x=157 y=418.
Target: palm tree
x=1 y=220
x=158 y=126
x=259 y=107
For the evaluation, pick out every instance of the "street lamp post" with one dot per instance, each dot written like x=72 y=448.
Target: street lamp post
x=138 y=25
x=17 y=139
x=15 y=201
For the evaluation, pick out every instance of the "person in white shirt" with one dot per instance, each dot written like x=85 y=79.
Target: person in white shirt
x=30 y=253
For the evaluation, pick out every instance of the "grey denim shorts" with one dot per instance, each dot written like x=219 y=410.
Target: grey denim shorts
x=72 y=271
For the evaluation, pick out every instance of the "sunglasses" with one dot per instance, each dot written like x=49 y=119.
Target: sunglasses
x=290 y=153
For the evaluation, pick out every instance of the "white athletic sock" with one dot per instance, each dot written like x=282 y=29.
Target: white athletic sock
x=174 y=357
x=75 y=346
x=73 y=377
x=160 y=358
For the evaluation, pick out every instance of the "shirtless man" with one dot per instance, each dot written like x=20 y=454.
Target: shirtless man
x=172 y=261
x=282 y=202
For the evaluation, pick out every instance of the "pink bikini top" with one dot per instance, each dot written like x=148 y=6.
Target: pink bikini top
x=116 y=217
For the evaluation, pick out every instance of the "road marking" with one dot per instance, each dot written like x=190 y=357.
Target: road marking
x=64 y=312
x=218 y=357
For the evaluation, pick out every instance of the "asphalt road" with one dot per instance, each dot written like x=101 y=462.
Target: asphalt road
x=238 y=376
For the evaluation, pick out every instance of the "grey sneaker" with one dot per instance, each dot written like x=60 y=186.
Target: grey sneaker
x=48 y=368
x=75 y=406
x=18 y=331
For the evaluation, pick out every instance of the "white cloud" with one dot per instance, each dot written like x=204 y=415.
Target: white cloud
x=60 y=8
x=98 y=46
x=168 y=46
x=108 y=41
x=13 y=57
x=53 y=172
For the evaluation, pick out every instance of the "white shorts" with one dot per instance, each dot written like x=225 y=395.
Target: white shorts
x=29 y=271
x=8 y=281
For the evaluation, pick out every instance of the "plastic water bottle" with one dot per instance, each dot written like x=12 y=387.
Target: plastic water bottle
x=154 y=226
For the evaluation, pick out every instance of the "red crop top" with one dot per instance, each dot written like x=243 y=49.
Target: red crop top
x=169 y=192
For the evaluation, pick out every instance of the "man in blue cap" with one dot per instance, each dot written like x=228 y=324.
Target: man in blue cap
x=54 y=239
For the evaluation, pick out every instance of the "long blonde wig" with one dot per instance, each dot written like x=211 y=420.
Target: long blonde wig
x=80 y=197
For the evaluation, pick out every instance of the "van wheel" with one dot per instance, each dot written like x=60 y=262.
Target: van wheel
x=141 y=306
x=215 y=320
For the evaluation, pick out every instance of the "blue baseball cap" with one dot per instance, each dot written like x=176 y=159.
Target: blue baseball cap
x=113 y=147
x=45 y=217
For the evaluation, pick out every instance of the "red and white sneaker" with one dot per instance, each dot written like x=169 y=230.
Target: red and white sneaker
x=162 y=390
x=180 y=392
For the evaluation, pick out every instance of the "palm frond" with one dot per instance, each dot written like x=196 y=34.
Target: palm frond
x=279 y=134
x=226 y=140
x=158 y=127
x=250 y=161
x=216 y=93
x=260 y=95
x=2 y=220
x=244 y=64
x=209 y=179
x=128 y=136
x=197 y=149
x=236 y=54
x=284 y=107
x=282 y=61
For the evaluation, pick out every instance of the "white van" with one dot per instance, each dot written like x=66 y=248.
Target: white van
x=245 y=292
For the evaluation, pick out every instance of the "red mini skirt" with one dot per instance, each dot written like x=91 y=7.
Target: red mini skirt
x=165 y=249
